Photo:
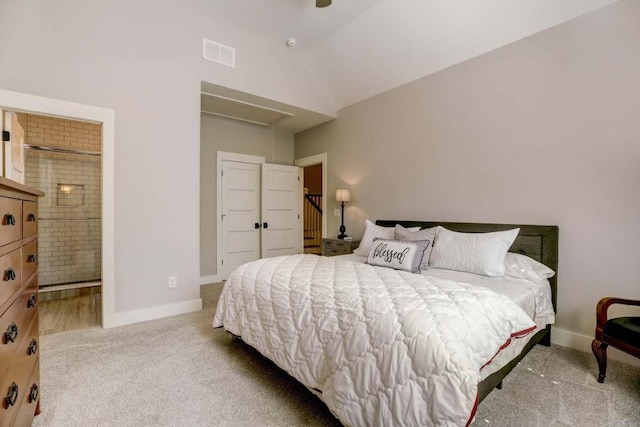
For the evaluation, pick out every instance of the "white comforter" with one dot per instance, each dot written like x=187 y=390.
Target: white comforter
x=384 y=347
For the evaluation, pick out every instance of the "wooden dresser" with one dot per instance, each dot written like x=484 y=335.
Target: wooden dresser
x=19 y=347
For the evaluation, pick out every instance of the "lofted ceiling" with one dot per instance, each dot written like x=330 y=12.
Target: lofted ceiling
x=355 y=49
x=277 y=20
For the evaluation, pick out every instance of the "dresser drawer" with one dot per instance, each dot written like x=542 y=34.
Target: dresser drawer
x=331 y=252
x=29 y=259
x=15 y=387
x=10 y=220
x=29 y=218
x=16 y=321
x=30 y=399
x=10 y=275
x=332 y=246
x=338 y=245
x=25 y=353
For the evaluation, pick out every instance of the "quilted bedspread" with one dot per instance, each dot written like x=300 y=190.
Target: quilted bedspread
x=383 y=347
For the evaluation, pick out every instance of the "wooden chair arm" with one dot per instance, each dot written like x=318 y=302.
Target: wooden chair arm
x=603 y=306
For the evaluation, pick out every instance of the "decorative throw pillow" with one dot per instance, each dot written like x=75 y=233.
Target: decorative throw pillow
x=397 y=254
x=372 y=231
x=522 y=267
x=479 y=253
x=402 y=233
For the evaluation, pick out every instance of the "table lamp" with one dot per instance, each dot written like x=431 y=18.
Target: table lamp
x=342 y=195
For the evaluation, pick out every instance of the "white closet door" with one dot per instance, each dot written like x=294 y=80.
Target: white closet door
x=14 y=148
x=240 y=214
x=281 y=207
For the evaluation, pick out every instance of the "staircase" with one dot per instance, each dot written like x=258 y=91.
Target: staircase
x=312 y=224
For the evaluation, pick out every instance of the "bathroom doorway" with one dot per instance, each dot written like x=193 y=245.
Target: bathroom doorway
x=63 y=159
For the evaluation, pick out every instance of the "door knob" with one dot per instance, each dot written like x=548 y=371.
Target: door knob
x=256 y=225
x=265 y=225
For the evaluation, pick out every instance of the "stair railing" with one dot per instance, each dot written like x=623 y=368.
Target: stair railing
x=312 y=220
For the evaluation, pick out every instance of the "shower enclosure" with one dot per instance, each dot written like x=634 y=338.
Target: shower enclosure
x=69 y=244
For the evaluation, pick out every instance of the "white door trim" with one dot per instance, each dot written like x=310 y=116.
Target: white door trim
x=70 y=110
x=234 y=157
x=310 y=161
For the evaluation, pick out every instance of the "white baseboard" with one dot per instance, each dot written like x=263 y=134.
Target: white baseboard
x=207 y=280
x=583 y=343
x=151 y=313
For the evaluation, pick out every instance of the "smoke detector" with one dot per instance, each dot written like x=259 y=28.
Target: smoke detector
x=291 y=42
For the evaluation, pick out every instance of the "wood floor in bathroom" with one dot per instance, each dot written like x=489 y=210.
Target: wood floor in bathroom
x=83 y=310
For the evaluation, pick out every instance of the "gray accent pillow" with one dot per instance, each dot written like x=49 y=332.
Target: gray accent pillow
x=409 y=235
x=397 y=254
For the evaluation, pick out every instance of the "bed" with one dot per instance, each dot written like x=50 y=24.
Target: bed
x=355 y=334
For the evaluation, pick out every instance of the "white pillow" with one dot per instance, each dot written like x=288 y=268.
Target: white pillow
x=371 y=231
x=398 y=255
x=479 y=253
x=523 y=267
x=405 y=234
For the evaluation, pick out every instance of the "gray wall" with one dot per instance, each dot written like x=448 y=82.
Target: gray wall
x=143 y=59
x=221 y=134
x=543 y=131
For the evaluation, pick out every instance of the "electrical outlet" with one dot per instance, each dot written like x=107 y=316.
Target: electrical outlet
x=336 y=212
x=173 y=281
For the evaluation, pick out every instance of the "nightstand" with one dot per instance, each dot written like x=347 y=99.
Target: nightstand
x=333 y=246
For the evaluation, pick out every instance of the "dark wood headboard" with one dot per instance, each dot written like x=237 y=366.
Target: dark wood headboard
x=539 y=242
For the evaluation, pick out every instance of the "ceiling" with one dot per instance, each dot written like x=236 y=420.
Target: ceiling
x=355 y=49
x=278 y=20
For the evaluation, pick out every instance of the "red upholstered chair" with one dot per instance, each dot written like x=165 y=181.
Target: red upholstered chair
x=622 y=333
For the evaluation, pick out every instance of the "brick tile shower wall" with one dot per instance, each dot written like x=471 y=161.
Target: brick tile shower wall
x=69 y=246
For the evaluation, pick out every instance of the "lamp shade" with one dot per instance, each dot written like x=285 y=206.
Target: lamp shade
x=343 y=195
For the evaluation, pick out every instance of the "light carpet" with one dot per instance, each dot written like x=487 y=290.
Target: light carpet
x=179 y=372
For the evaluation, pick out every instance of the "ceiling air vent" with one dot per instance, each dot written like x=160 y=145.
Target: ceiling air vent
x=217 y=52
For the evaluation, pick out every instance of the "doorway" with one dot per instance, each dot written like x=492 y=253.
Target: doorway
x=314 y=201
x=63 y=160
x=312 y=211
x=104 y=117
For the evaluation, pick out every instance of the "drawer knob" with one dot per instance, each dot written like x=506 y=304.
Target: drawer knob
x=31 y=302
x=33 y=393
x=33 y=347
x=31 y=258
x=11 y=333
x=9 y=219
x=12 y=396
x=9 y=274
x=265 y=225
x=256 y=225
x=31 y=218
